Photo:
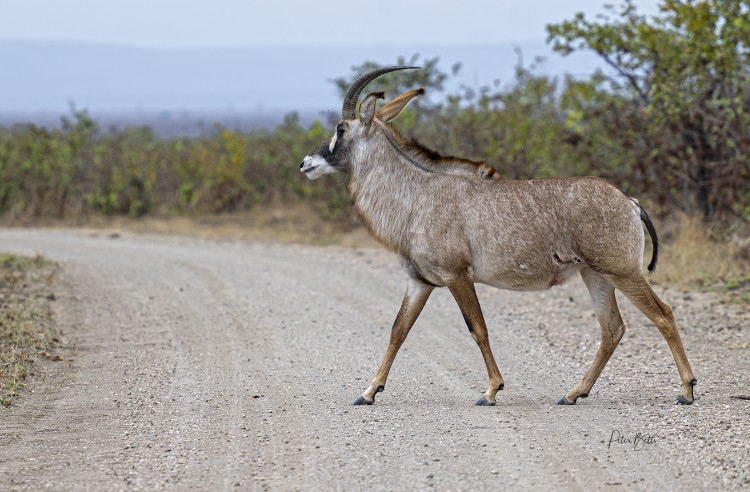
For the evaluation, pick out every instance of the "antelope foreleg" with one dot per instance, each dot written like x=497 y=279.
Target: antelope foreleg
x=414 y=300
x=466 y=297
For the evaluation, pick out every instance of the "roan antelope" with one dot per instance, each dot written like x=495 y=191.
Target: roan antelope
x=454 y=222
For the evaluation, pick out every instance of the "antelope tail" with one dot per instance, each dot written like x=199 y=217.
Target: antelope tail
x=654 y=239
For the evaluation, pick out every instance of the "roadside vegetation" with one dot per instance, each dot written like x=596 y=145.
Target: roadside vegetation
x=27 y=331
x=668 y=122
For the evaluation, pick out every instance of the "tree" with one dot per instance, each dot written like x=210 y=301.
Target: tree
x=687 y=73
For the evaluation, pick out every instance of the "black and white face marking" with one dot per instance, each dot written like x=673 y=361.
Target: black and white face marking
x=332 y=145
x=317 y=163
x=340 y=129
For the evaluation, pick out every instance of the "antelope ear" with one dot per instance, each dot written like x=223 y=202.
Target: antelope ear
x=367 y=107
x=394 y=108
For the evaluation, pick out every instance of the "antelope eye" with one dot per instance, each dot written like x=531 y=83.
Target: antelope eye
x=340 y=131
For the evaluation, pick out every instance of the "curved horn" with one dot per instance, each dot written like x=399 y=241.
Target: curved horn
x=352 y=94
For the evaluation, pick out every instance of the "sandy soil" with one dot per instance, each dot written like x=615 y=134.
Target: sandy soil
x=233 y=365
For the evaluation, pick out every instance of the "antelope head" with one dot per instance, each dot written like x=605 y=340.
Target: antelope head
x=335 y=155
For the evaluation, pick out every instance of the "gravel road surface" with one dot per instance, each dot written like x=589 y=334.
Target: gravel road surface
x=233 y=366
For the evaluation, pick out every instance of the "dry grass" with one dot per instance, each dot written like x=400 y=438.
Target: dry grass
x=694 y=256
x=295 y=224
x=281 y=223
x=26 y=327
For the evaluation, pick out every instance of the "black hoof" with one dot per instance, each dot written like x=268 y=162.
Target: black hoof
x=565 y=401
x=684 y=401
x=361 y=401
x=484 y=402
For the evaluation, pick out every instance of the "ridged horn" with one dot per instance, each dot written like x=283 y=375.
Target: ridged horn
x=348 y=111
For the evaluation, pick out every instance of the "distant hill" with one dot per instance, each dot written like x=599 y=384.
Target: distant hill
x=46 y=77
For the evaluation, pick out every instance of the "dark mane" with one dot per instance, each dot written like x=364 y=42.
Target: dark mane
x=432 y=161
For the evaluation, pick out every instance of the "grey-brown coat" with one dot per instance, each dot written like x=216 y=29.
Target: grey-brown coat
x=454 y=222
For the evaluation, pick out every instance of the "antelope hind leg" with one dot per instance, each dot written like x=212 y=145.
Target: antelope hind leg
x=640 y=293
x=414 y=300
x=605 y=305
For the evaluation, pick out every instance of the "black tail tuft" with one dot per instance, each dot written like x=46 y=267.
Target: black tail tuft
x=654 y=240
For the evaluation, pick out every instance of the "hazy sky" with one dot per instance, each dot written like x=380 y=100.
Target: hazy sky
x=147 y=63
x=193 y=23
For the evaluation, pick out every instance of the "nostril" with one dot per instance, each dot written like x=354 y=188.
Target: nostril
x=301 y=164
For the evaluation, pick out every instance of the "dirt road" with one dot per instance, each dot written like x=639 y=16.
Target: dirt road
x=233 y=366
